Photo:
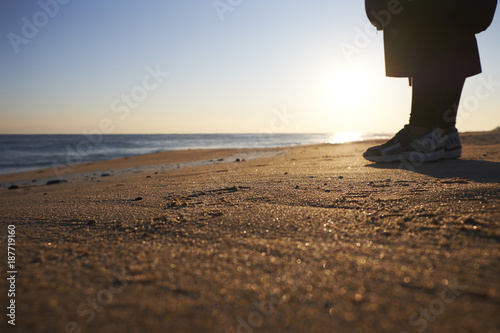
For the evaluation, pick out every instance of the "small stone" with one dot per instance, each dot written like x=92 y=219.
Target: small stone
x=297 y=186
x=13 y=187
x=237 y=160
x=91 y=222
x=470 y=220
x=341 y=177
x=105 y=175
x=286 y=173
x=148 y=176
x=115 y=283
x=138 y=199
x=220 y=159
x=56 y=181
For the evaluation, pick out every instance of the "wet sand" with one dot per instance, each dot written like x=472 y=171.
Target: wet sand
x=301 y=239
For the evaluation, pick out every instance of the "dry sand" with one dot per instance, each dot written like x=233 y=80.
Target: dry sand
x=302 y=239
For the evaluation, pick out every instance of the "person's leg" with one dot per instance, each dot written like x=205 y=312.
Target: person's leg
x=435 y=100
x=425 y=103
x=449 y=107
x=448 y=117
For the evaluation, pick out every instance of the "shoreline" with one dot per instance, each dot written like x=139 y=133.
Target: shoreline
x=160 y=161
x=165 y=159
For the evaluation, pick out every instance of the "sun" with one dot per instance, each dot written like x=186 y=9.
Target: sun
x=349 y=87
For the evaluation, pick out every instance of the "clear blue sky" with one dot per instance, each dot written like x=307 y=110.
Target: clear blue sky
x=249 y=67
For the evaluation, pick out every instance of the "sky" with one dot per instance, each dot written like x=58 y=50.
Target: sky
x=205 y=66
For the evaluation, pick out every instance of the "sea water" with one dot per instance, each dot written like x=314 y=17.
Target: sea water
x=20 y=153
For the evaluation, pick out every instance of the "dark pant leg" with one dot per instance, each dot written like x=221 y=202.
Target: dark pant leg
x=435 y=100
x=450 y=102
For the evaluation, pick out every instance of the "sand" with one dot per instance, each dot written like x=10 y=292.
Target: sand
x=300 y=239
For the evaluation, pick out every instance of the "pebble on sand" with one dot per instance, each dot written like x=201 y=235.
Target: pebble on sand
x=56 y=181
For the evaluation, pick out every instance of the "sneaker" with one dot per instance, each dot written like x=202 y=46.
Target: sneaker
x=404 y=147
x=452 y=145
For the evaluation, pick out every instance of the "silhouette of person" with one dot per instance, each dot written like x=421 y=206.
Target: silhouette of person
x=433 y=43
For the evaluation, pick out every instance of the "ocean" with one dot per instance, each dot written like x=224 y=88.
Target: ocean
x=31 y=152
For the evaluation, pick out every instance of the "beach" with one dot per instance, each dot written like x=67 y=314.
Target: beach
x=295 y=239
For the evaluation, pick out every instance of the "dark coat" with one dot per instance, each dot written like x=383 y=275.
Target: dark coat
x=431 y=36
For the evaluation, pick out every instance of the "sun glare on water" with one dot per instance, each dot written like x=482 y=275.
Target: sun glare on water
x=343 y=137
